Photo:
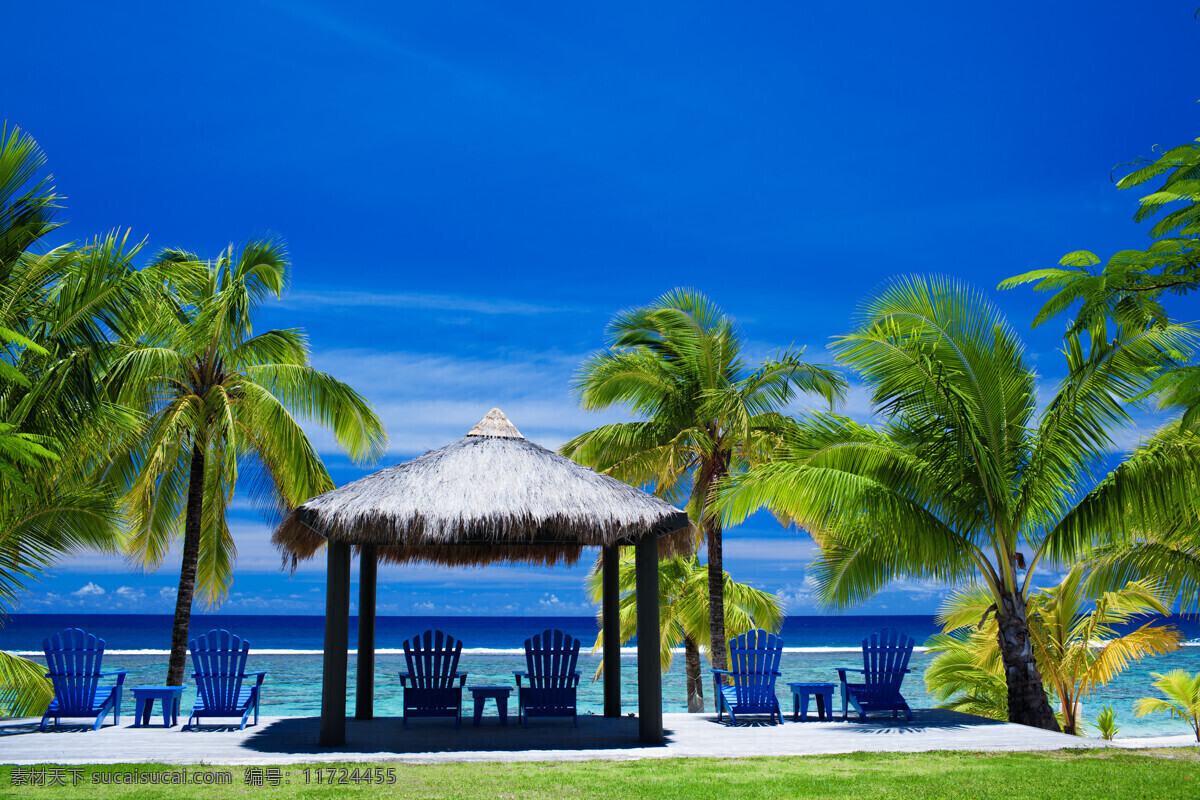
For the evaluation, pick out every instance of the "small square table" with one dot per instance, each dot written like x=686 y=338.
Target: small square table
x=144 y=697
x=480 y=694
x=800 y=694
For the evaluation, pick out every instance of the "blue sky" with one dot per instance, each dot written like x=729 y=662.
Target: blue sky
x=470 y=191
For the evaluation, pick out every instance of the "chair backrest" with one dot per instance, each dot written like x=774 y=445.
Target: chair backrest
x=220 y=661
x=73 y=658
x=754 y=659
x=432 y=659
x=551 y=658
x=885 y=658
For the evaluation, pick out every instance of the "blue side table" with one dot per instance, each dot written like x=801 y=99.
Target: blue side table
x=800 y=694
x=480 y=694
x=144 y=697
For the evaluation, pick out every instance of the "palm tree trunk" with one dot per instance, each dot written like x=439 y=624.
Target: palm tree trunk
x=716 y=594
x=187 y=573
x=695 y=683
x=1027 y=701
x=716 y=572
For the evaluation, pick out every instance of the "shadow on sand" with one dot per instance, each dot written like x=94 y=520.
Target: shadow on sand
x=298 y=735
x=923 y=720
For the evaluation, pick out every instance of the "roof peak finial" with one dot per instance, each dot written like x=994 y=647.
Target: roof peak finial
x=495 y=424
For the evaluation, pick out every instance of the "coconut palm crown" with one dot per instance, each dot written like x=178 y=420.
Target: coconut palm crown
x=222 y=403
x=967 y=480
x=705 y=414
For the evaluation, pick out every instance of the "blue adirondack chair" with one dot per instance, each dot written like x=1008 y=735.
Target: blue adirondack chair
x=73 y=659
x=433 y=686
x=550 y=660
x=219 y=659
x=885 y=663
x=754 y=661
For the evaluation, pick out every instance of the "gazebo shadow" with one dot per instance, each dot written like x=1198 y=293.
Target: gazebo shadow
x=298 y=736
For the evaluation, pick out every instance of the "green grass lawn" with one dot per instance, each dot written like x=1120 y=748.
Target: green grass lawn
x=1091 y=774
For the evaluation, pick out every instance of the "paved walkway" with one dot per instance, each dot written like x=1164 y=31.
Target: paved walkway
x=290 y=740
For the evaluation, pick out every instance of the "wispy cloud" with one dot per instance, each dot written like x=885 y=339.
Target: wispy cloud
x=331 y=299
x=427 y=401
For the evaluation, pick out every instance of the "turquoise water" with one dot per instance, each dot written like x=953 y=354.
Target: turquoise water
x=289 y=649
x=293 y=685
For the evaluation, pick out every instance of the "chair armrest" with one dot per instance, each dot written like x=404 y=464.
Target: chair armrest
x=519 y=675
x=722 y=672
x=404 y=677
x=260 y=675
x=462 y=679
x=120 y=675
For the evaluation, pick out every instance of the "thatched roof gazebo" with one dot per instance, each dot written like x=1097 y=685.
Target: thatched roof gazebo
x=491 y=497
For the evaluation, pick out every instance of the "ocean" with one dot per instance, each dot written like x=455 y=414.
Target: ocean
x=289 y=648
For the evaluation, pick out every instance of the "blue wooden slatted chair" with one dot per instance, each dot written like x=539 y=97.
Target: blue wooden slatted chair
x=754 y=661
x=885 y=663
x=73 y=659
x=433 y=686
x=219 y=659
x=550 y=660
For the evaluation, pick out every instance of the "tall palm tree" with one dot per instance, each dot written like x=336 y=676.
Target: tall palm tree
x=678 y=364
x=967 y=480
x=1074 y=641
x=59 y=310
x=683 y=604
x=221 y=403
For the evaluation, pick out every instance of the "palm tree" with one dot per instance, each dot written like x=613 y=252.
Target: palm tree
x=1183 y=698
x=221 y=403
x=966 y=480
x=59 y=309
x=678 y=364
x=1076 y=647
x=683 y=604
x=1129 y=288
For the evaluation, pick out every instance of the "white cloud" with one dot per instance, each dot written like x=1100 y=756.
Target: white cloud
x=130 y=593
x=88 y=590
x=427 y=400
x=791 y=548
x=338 y=299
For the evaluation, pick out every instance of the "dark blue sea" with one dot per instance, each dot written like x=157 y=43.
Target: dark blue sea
x=289 y=648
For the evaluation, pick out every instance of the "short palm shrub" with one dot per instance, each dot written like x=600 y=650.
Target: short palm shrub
x=1183 y=698
x=1106 y=723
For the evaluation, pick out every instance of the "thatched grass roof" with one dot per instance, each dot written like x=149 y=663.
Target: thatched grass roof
x=492 y=496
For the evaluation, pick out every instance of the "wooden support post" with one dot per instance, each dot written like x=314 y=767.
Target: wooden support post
x=337 y=642
x=364 y=695
x=610 y=608
x=650 y=727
